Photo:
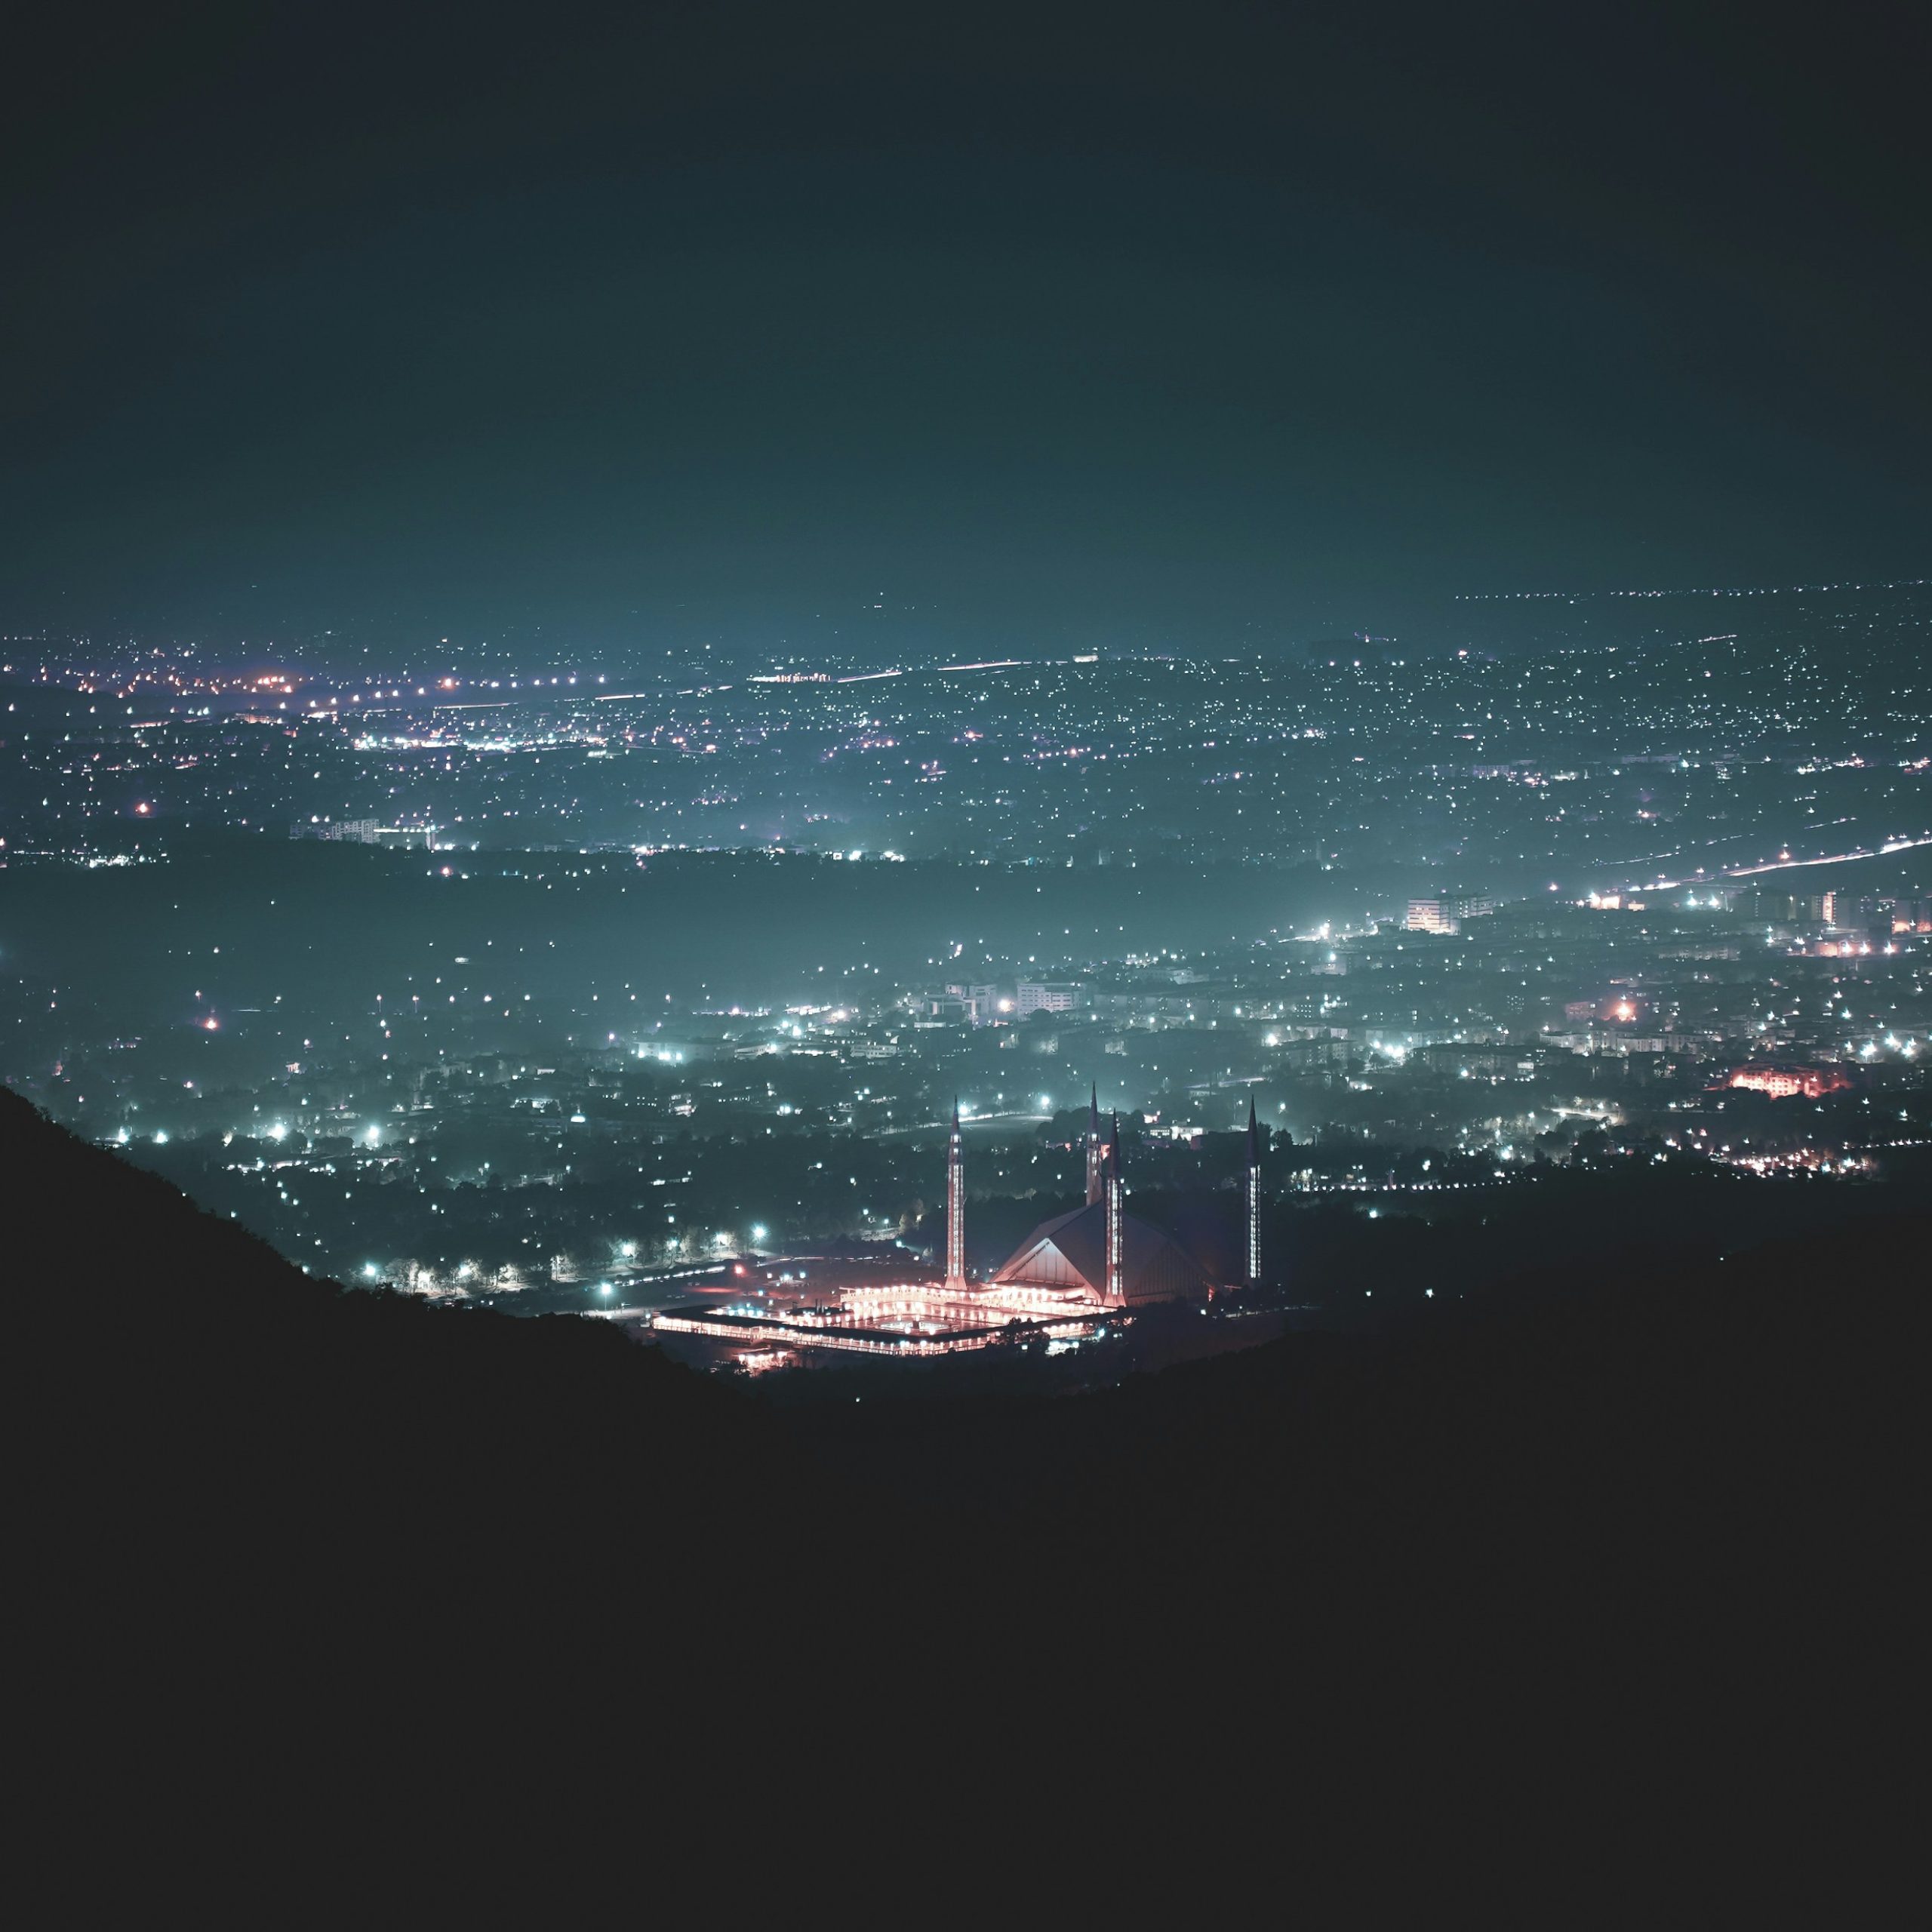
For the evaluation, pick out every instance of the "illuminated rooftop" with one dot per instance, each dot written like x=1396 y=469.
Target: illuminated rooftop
x=905 y=1319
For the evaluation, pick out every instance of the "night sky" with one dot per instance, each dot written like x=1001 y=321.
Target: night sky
x=1030 y=325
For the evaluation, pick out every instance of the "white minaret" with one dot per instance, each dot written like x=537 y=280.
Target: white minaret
x=1096 y=1156
x=1116 y=1287
x=1253 y=1197
x=956 y=1208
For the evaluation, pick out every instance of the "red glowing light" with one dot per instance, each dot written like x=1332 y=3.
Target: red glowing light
x=143 y=809
x=1781 y=1083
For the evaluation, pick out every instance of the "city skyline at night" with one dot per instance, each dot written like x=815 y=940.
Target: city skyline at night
x=918 y=919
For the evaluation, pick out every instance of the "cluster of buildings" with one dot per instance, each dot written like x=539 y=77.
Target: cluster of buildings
x=1444 y=912
x=988 y=1004
x=366 y=831
x=1835 y=924
x=590 y=1063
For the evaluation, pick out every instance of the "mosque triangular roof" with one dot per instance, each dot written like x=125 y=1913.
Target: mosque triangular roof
x=1070 y=1251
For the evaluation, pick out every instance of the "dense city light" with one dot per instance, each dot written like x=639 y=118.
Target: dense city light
x=1067 y=854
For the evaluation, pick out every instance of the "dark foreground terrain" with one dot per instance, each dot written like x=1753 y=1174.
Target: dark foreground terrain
x=1636 y=1528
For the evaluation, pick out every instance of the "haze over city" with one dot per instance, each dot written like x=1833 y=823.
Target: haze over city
x=1105 y=782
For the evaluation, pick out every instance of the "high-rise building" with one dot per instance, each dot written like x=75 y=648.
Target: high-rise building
x=1446 y=912
x=1037 y=996
x=1791 y=909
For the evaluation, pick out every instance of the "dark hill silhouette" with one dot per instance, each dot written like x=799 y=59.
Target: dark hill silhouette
x=1669 y=1506
x=1632 y=1396
x=210 y=1408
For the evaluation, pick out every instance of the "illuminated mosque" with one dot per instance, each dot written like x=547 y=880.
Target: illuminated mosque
x=1072 y=1277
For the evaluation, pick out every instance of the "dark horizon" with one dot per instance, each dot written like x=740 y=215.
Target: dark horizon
x=730 y=325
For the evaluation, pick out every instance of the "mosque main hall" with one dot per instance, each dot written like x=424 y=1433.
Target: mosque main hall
x=1072 y=1277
